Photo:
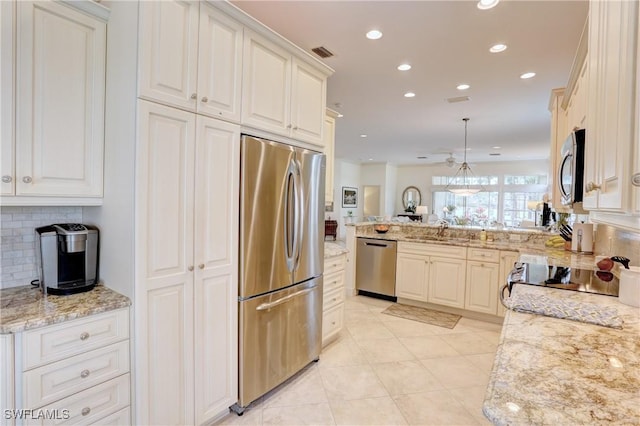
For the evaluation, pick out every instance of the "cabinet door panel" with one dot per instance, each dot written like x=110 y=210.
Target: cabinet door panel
x=165 y=180
x=168 y=366
x=308 y=99
x=168 y=52
x=7 y=100
x=266 y=85
x=447 y=282
x=60 y=101
x=482 y=287
x=412 y=274
x=219 y=65
x=216 y=337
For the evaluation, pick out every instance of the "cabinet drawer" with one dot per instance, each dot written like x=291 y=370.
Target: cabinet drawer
x=334 y=264
x=332 y=321
x=332 y=298
x=49 y=344
x=92 y=405
x=456 y=252
x=121 y=418
x=49 y=383
x=483 y=255
x=334 y=280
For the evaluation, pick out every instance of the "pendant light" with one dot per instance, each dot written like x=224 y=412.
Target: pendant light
x=464 y=173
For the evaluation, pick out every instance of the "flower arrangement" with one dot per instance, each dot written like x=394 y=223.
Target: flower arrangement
x=411 y=207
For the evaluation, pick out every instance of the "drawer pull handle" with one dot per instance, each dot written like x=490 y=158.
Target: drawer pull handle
x=85 y=411
x=333 y=323
x=84 y=336
x=85 y=373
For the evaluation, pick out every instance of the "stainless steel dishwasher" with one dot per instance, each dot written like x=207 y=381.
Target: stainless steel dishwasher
x=376 y=268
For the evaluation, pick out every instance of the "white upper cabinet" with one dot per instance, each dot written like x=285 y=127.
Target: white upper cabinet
x=191 y=58
x=282 y=94
x=59 y=103
x=7 y=99
x=610 y=143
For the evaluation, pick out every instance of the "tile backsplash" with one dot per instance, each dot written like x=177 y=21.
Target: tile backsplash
x=17 y=239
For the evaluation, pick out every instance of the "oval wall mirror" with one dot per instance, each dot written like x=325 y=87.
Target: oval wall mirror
x=411 y=194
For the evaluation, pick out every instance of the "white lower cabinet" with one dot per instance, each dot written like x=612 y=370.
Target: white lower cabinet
x=74 y=372
x=333 y=298
x=186 y=289
x=446 y=281
x=482 y=287
x=412 y=276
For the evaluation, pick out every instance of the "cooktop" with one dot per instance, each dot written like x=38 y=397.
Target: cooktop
x=584 y=280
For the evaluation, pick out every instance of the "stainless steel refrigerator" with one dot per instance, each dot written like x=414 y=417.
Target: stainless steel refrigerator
x=281 y=263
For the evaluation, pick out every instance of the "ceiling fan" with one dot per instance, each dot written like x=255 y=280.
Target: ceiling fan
x=451 y=160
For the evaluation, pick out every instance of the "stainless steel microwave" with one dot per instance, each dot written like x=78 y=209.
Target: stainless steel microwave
x=571 y=170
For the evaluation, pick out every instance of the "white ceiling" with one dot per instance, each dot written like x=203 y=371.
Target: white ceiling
x=447 y=43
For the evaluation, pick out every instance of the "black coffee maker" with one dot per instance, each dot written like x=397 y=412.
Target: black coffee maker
x=67 y=255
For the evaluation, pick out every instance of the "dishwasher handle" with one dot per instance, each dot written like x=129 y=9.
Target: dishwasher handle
x=376 y=244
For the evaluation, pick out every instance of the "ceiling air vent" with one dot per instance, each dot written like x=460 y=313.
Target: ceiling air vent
x=494 y=154
x=321 y=51
x=458 y=99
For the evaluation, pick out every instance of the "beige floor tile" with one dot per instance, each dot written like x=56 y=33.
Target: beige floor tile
x=479 y=325
x=456 y=372
x=251 y=417
x=400 y=378
x=470 y=343
x=355 y=382
x=373 y=330
x=491 y=336
x=483 y=361
x=424 y=347
x=384 y=350
x=373 y=411
x=352 y=304
x=304 y=388
x=379 y=303
x=471 y=398
x=342 y=353
x=308 y=414
x=433 y=408
x=408 y=328
x=356 y=317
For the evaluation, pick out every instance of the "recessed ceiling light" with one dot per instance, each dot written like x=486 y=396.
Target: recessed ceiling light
x=496 y=147
x=374 y=35
x=404 y=67
x=409 y=95
x=363 y=135
x=497 y=48
x=340 y=115
x=527 y=75
x=370 y=159
x=487 y=4
x=463 y=87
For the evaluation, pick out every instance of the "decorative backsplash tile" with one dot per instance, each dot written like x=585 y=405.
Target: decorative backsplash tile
x=17 y=239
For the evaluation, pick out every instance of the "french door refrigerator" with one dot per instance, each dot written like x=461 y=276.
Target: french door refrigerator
x=281 y=263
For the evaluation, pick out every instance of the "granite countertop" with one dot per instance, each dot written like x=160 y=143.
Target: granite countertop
x=26 y=307
x=550 y=371
x=333 y=249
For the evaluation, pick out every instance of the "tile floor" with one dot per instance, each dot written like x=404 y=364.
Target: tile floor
x=385 y=370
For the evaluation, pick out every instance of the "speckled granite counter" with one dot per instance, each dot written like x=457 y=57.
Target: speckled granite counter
x=550 y=371
x=26 y=307
x=333 y=250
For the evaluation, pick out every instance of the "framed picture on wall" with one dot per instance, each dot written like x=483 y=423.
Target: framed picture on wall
x=349 y=197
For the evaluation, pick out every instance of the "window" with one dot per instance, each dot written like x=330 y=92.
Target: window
x=478 y=210
x=516 y=207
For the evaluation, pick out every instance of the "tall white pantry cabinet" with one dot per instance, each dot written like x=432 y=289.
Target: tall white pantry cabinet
x=169 y=219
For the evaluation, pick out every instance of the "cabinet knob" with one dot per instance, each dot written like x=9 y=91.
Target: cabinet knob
x=289 y=126
x=201 y=266
x=190 y=267
x=194 y=96
x=27 y=179
x=7 y=179
x=85 y=411
x=635 y=179
x=85 y=373
x=205 y=99
x=482 y=265
x=84 y=336
x=295 y=127
x=592 y=187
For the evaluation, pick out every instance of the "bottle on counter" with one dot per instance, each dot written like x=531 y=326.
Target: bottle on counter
x=483 y=235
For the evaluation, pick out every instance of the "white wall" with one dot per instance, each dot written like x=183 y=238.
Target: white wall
x=345 y=174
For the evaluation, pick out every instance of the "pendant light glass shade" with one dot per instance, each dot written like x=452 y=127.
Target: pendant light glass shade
x=462 y=182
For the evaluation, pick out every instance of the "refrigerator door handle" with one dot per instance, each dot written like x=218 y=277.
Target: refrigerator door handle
x=299 y=217
x=266 y=306
x=290 y=245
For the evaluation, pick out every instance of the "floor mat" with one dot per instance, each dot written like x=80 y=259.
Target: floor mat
x=429 y=316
